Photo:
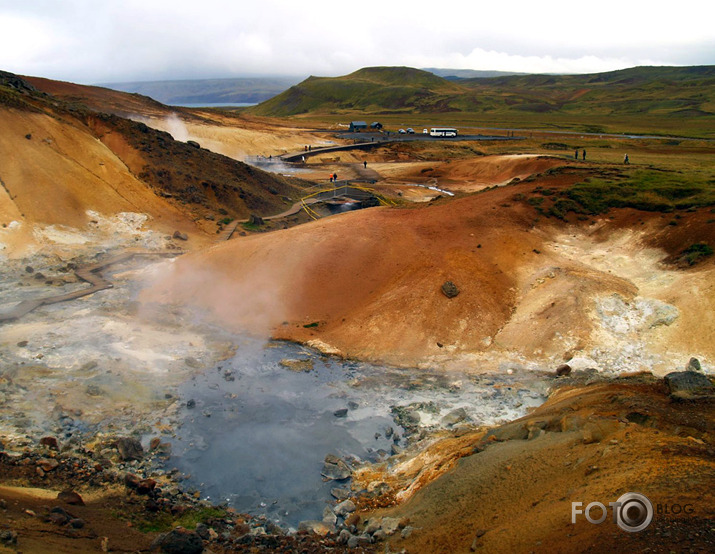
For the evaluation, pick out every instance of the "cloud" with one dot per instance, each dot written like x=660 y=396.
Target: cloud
x=113 y=40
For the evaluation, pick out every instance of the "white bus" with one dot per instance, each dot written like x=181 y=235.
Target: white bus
x=443 y=132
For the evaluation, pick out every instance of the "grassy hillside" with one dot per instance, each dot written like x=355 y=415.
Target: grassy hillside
x=658 y=100
x=375 y=90
x=670 y=91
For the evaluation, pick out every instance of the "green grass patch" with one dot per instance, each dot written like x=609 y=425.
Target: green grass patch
x=163 y=521
x=696 y=252
x=248 y=226
x=643 y=189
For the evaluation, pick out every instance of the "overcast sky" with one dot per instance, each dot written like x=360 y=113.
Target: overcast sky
x=95 y=41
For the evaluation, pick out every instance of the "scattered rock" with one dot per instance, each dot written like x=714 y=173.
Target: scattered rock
x=22 y=343
x=145 y=486
x=693 y=365
x=179 y=235
x=340 y=493
x=58 y=516
x=688 y=385
x=329 y=516
x=344 y=536
x=345 y=507
x=76 y=523
x=337 y=470
x=449 y=289
x=129 y=449
x=50 y=442
x=390 y=525
x=131 y=480
x=193 y=143
x=563 y=370
x=29 y=269
x=343 y=412
x=154 y=444
x=94 y=390
x=8 y=537
x=297 y=364
x=179 y=541
x=454 y=417
x=318 y=527
x=70 y=497
x=192 y=362
x=47 y=464
x=191 y=404
x=362 y=540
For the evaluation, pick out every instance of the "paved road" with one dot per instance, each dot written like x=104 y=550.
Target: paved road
x=365 y=141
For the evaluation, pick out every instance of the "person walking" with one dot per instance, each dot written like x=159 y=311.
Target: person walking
x=625 y=159
x=335 y=177
x=584 y=154
x=575 y=154
x=364 y=164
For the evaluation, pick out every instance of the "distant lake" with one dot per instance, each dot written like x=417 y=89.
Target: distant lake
x=216 y=105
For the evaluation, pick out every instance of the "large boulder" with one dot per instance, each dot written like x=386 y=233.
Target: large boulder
x=689 y=385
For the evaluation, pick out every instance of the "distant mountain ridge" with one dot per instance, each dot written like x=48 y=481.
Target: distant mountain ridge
x=469 y=73
x=249 y=90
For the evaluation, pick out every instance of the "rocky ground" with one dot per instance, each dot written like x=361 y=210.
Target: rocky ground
x=501 y=489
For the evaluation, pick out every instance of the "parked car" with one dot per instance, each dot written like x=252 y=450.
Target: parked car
x=425 y=131
x=402 y=131
x=410 y=131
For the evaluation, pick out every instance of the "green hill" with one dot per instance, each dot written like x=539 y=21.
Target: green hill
x=374 y=89
x=663 y=100
x=670 y=91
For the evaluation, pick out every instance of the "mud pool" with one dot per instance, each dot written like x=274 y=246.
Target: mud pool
x=256 y=433
x=264 y=415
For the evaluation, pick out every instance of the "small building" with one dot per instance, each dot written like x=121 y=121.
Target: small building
x=357 y=126
x=376 y=125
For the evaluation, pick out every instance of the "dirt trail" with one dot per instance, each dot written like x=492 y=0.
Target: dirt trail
x=89 y=274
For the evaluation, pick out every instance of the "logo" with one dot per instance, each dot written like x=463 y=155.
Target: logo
x=632 y=512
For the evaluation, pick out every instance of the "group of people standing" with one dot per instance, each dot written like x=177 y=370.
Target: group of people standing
x=583 y=154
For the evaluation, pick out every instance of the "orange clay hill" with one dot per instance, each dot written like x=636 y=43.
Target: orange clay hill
x=368 y=284
x=88 y=161
x=511 y=488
